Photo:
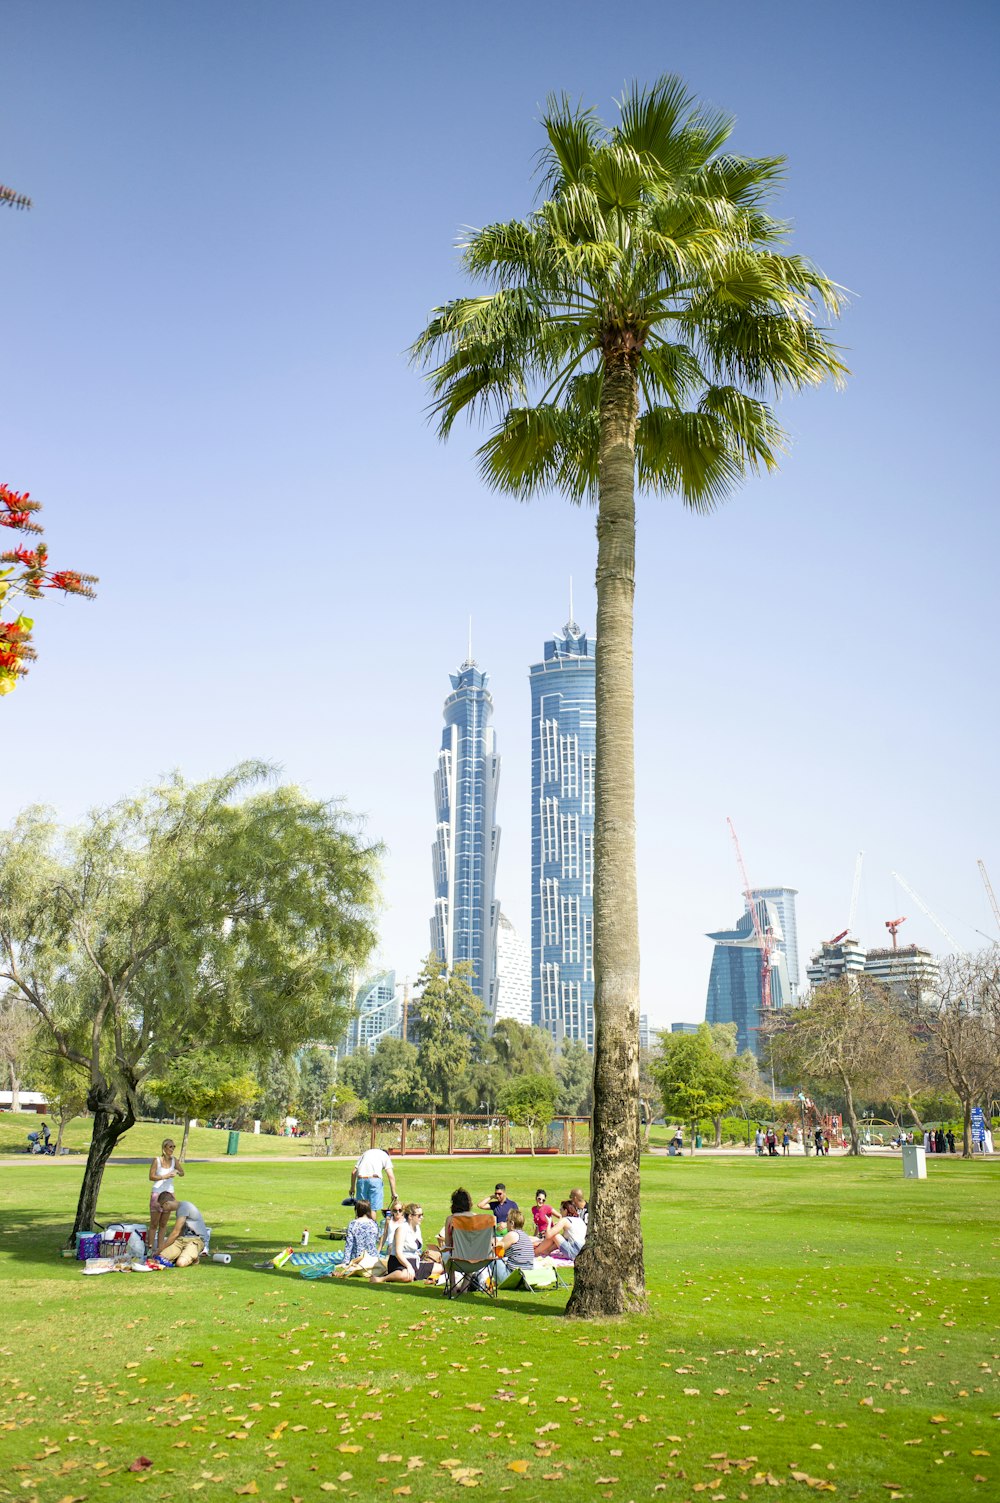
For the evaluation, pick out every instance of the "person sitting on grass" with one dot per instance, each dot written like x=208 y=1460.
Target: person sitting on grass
x=392 y=1219
x=407 y=1247
x=362 y=1234
x=567 y=1236
x=542 y=1213
x=189 y=1237
x=518 y=1249
x=558 y=1227
x=499 y=1204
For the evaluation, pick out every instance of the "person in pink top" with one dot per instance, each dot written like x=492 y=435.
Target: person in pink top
x=542 y=1214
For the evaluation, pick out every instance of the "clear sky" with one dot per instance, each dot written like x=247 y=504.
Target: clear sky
x=244 y=212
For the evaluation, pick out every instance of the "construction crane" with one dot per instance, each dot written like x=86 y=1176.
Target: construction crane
x=765 y=938
x=989 y=893
x=892 y=925
x=923 y=906
x=854 y=902
x=855 y=890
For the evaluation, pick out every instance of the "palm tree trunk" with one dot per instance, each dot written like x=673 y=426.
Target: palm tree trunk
x=609 y=1274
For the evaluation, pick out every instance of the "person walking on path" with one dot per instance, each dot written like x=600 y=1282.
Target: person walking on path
x=164 y=1169
x=372 y=1167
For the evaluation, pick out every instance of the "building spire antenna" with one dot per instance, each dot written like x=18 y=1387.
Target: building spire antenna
x=571 y=628
x=470 y=661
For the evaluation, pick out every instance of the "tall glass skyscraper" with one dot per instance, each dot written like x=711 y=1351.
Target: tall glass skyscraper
x=464 y=926
x=734 y=984
x=563 y=730
x=782 y=899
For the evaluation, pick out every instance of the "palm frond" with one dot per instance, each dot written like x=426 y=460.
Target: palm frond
x=752 y=430
x=543 y=448
x=573 y=134
x=687 y=454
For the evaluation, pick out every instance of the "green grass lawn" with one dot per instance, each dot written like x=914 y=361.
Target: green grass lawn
x=811 y=1327
x=144 y=1139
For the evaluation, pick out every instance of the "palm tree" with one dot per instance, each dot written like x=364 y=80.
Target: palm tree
x=628 y=332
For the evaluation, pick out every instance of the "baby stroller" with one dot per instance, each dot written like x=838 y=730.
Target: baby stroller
x=37 y=1143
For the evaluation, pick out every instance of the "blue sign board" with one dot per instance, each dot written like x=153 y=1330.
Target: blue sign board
x=978 y=1122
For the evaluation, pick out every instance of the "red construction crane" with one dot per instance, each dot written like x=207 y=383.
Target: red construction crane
x=892 y=925
x=765 y=938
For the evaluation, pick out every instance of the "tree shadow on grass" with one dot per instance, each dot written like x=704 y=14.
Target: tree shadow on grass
x=36 y=1239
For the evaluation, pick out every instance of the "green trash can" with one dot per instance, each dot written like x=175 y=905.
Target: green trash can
x=234 y=1143
x=697 y=1141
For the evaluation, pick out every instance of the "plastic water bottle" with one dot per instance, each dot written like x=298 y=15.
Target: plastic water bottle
x=305 y=1237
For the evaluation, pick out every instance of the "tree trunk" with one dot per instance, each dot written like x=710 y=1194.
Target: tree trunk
x=967 y=1128
x=110 y=1123
x=184 y=1139
x=62 y=1128
x=609 y=1275
x=15 y=1090
x=718 y=1130
x=852 y=1118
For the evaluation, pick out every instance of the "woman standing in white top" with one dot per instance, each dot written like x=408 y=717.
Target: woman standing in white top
x=162 y=1172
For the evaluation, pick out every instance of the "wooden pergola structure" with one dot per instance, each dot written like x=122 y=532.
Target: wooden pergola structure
x=435 y=1132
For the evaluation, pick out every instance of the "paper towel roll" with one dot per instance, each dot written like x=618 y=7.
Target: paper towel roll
x=221 y=1257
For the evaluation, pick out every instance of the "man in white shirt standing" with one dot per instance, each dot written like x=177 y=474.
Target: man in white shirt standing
x=372 y=1167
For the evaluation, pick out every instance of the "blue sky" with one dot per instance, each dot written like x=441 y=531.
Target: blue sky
x=244 y=213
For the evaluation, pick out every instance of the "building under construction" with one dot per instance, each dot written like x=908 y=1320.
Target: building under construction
x=736 y=982
x=908 y=971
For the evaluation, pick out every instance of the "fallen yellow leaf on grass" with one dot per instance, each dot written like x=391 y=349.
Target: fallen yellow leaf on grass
x=517 y=1466
x=251 y=1487
x=353 y=1449
x=401 y=1492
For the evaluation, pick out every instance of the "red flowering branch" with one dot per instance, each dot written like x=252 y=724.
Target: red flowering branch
x=27 y=573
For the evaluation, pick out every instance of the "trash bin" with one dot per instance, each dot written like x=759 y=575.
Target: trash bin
x=672 y=1150
x=697 y=1140
x=234 y=1143
x=914 y=1162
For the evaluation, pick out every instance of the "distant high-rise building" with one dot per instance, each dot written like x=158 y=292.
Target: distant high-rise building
x=464 y=926
x=734 y=984
x=908 y=971
x=563 y=729
x=378 y=1013
x=646 y=1034
x=684 y=1027
x=513 y=989
x=782 y=899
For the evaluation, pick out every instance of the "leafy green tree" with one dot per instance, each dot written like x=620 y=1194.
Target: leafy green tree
x=849 y=1042
x=199 y=1082
x=18 y=1026
x=397 y=1082
x=279 y=1093
x=695 y=1077
x=575 y=1074
x=530 y=1101
x=512 y=1049
x=317 y=1083
x=227 y=913
x=356 y=1071
x=449 y=1027
x=65 y=1087
x=628 y=332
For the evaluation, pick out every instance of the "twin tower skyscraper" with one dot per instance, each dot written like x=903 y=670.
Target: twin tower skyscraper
x=467 y=922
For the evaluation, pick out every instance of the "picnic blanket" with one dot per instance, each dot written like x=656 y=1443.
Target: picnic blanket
x=311 y=1265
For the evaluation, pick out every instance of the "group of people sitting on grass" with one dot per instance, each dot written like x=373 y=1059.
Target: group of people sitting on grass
x=399 y=1248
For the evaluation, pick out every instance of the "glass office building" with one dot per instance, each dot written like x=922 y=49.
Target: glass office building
x=378 y=1014
x=464 y=926
x=782 y=900
x=734 y=984
x=563 y=730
